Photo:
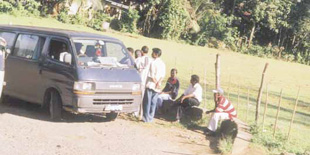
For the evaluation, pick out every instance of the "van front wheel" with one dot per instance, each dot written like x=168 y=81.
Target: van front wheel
x=111 y=116
x=55 y=106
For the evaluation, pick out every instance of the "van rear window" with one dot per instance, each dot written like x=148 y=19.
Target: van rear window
x=9 y=38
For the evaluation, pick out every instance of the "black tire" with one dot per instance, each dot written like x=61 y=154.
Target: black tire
x=111 y=116
x=55 y=106
x=4 y=99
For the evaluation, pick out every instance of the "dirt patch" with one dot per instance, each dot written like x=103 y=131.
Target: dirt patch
x=26 y=129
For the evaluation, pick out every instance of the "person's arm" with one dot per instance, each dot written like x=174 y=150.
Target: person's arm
x=215 y=106
x=187 y=96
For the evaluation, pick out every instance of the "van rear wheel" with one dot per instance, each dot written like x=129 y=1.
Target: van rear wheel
x=55 y=106
x=111 y=116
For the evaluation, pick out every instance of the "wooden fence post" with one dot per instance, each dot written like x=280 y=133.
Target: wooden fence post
x=217 y=71
x=266 y=106
x=259 y=97
x=277 y=117
x=248 y=103
x=289 y=131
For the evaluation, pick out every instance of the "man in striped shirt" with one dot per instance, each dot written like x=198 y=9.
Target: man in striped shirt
x=223 y=110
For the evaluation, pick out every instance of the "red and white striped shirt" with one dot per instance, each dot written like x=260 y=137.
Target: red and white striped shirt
x=223 y=105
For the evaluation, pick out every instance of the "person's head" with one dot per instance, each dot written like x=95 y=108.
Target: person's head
x=130 y=50
x=217 y=93
x=194 y=79
x=78 y=47
x=156 y=53
x=138 y=53
x=64 y=48
x=144 y=50
x=173 y=72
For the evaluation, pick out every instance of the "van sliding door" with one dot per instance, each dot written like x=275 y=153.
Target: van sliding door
x=22 y=68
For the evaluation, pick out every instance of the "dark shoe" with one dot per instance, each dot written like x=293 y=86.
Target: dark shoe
x=208 y=132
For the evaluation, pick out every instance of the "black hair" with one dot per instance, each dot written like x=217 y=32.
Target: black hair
x=195 y=78
x=174 y=69
x=130 y=49
x=145 y=49
x=157 y=51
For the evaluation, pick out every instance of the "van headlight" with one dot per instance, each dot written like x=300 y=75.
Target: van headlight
x=84 y=88
x=136 y=89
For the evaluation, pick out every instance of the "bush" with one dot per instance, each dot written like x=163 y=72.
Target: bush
x=78 y=19
x=19 y=10
x=32 y=7
x=64 y=17
x=97 y=20
x=173 y=19
x=116 y=24
x=275 y=145
x=6 y=7
x=129 y=21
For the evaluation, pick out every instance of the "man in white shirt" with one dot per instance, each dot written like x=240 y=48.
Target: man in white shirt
x=156 y=74
x=143 y=66
x=191 y=97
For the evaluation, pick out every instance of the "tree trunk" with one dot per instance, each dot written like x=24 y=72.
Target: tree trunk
x=280 y=36
x=252 y=35
x=233 y=8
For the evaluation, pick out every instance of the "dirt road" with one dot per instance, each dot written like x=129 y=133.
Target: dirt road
x=26 y=129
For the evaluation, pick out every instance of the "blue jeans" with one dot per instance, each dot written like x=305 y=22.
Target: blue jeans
x=149 y=105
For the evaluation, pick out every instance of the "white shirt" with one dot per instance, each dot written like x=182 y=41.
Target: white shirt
x=143 y=66
x=196 y=90
x=157 y=71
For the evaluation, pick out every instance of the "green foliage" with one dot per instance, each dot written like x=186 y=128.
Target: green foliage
x=173 y=18
x=32 y=7
x=97 y=20
x=64 y=17
x=78 y=19
x=129 y=21
x=225 y=145
x=6 y=7
x=275 y=145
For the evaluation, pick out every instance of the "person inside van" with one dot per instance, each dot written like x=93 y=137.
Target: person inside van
x=63 y=51
x=79 y=50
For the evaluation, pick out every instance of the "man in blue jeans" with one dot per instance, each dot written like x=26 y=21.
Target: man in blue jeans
x=156 y=74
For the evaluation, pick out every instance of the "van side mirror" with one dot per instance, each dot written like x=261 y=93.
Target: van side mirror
x=68 y=58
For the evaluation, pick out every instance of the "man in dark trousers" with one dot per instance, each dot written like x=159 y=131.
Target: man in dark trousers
x=191 y=97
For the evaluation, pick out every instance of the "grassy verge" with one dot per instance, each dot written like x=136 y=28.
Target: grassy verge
x=236 y=70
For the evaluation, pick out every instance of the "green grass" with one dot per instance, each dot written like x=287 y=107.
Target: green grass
x=236 y=69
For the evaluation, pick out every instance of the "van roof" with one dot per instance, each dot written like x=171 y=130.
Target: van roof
x=59 y=32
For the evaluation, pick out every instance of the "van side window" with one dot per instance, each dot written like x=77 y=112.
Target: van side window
x=28 y=46
x=9 y=38
x=58 y=49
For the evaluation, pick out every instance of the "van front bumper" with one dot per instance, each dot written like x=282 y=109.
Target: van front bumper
x=106 y=103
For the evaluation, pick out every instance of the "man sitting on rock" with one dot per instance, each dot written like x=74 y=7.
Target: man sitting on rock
x=191 y=97
x=223 y=110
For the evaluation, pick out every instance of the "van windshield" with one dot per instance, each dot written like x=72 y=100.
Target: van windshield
x=98 y=53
